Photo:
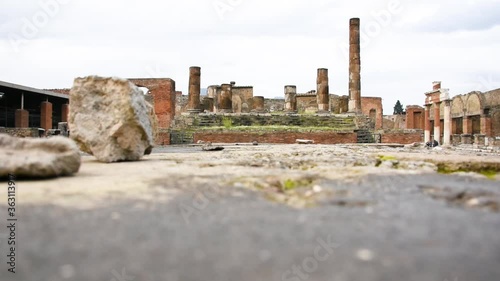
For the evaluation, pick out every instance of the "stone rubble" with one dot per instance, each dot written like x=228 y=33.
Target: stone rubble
x=38 y=158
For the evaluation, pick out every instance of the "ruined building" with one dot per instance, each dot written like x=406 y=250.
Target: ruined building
x=473 y=118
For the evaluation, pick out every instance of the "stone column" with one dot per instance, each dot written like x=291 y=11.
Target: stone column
x=64 y=112
x=226 y=99
x=291 y=99
x=258 y=104
x=437 y=122
x=354 y=66
x=323 y=90
x=427 y=121
x=46 y=115
x=22 y=118
x=447 y=123
x=194 y=89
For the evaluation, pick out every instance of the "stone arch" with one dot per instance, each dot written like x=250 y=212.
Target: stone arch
x=457 y=107
x=473 y=105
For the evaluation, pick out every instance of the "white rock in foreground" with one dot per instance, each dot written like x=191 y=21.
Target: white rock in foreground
x=110 y=119
x=38 y=158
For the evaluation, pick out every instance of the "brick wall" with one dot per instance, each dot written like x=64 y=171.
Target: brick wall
x=403 y=137
x=275 y=137
x=373 y=106
x=164 y=95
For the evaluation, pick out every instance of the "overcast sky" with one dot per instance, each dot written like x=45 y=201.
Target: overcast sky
x=264 y=43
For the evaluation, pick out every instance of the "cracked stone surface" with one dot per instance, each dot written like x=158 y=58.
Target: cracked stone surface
x=266 y=212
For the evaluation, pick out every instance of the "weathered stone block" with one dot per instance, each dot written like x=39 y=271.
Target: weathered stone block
x=110 y=119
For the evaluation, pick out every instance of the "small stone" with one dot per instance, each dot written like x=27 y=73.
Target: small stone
x=38 y=158
x=300 y=141
x=110 y=119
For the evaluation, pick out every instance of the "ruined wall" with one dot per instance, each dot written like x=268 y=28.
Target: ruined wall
x=242 y=99
x=394 y=122
x=339 y=104
x=372 y=107
x=275 y=137
x=403 y=137
x=274 y=105
x=181 y=103
x=415 y=117
x=307 y=102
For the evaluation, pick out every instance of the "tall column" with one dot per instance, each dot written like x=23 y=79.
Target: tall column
x=354 y=66
x=291 y=98
x=46 y=115
x=427 y=123
x=64 y=112
x=323 y=90
x=194 y=89
x=447 y=123
x=437 y=122
x=226 y=99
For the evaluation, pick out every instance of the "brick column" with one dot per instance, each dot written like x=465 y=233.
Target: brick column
x=22 y=118
x=354 y=66
x=486 y=125
x=291 y=98
x=447 y=123
x=46 y=115
x=194 y=89
x=467 y=125
x=226 y=99
x=64 y=112
x=322 y=92
x=437 y=122
x=427 y=121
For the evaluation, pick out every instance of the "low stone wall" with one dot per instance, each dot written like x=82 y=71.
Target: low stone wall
x=402 y=137
x=21 y=132
x=162 y=137
x=275 y=137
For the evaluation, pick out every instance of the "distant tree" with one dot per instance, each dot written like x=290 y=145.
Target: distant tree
x=398 y=108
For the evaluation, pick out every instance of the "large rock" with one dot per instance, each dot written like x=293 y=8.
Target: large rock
x=110 y=119
x=38 y=158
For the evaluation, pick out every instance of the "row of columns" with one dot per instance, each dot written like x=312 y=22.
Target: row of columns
x=437 y=97
x=22 y=115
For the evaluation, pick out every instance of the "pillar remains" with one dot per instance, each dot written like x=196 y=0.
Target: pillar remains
x=258 y=104
x=194 y=105
x=322 y=90
x=447 y=123
x=226 y=99
x=427 y=125
x=437 y=122
x=354 y=66
x=46 y=115
x=445 y=97
x=291 y=98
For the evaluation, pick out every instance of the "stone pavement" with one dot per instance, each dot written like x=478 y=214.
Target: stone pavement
x=267 y=212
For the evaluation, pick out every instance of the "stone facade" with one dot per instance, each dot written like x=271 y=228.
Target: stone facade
x=242 y=98
x=372 y=107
